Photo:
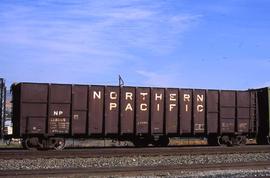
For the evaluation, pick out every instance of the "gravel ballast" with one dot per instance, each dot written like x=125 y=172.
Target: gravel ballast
x=41 y=163
x=132 y=161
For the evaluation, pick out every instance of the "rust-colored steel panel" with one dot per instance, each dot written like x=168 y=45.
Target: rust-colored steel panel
x=212 y=101
x=142 y=110
x=171 y=112
x=157 y=110
x=212 y=111
x=32 y=110
x=127 y=109
x=253 y=107
x=111 y=110
x=34 y=92
x=79 y=122
x=79 y=97
x=227 y=111
x=227 y=98
x=60 y=93
x=253 y=121
x=33 y=105
x=199 y=111
x=243 y=113
x=227 y=104
x=185 y=111
x=36 y=125
x=79 y=109
x=243 y=125
x=243 y=99
x=227 y=125
x=212 y=123
x=96 y=110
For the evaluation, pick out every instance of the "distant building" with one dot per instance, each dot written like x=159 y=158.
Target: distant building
x=8 y=122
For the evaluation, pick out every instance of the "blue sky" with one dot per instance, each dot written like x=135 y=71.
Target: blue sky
x=170 y=43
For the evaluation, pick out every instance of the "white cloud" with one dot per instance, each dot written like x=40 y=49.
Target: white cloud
x=94 y=37
x=93 y=27
x=156 y=79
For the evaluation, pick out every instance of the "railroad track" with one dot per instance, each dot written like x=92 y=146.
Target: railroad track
x=129 y=171
x=119 y=152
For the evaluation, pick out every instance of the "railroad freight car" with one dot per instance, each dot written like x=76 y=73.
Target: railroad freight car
x=2 y=106
x=263 y=134
x=44 y=115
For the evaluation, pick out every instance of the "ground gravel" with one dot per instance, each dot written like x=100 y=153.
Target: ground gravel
x=213 y=174
x=41 y=163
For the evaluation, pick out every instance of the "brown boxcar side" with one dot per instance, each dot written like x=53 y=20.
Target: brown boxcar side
x=142 y=110
x=111 y=110
x=79 y=109
x=243 y=111
x=199 y=111
x=212 y=108
x=96 y=110
x=59 y=109
x=157 y=110
x=253 y=113
x=60 y=93
x=36 y=93
x=171 y=111
x=227 y=111
x=186 y=111
x=128 y=109
x=34 y=118
x=33 y=109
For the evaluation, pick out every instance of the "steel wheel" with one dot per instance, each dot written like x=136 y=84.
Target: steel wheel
x=8 y=141
x=241 y=140
x=59 y=144
x=28 y=143
x=220 y=141
x=164 y=141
